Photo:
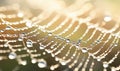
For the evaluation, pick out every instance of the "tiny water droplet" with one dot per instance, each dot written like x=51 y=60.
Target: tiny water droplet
x=52 y=68
x=1 y=31
x=20 y=39
x=48 y=50
x=20 y=14
x=97 y=41
x=29 y=24
x=113 y=69
x=84 y=50
x=33 y=61
x=57 y=59
x=67 y=40
x=24 y=62
x=107 y=18
x=6 y=45
x=63 y=62
x=79 y=41
x=22 y=35
x=44 y=53
x=49 y=34
x=105 y=65
x=42 y=46
x=8 y=27
x=78 y=46
x=115 y=44
x=98 y=59
x=53 y=55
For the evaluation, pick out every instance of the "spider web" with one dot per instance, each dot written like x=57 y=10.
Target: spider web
x=79 y=41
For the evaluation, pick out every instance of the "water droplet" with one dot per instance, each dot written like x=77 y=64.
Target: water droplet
x=91 y=69
x=97 y=41
x=42 y=63
x=1 y=58
x=53 y=55
x=49 y=34
x=12 y=55
x=6 y=45
x=113 y=69
x=20 y=14
x=67 y=40
x=76 y=69
x=63 y=62
x=105 y=65
x=52 y=68
x=42 y=46
x=84 y=50
x=23 y=62
x=8 y=27
x=1 y=31
x=56 y=36
x=44 y=53
x=20 y=39
x=115 y=44
x=78 y=46
x=48 y=50
x=19 y=49
x=29 y=43
x=33 y=61
x=98 y=59
x=79 y=41
x=107 y=18
x=57 y=59
x=29 y=24
x=22 y=35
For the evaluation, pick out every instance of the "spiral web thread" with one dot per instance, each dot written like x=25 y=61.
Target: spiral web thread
x=82 y=41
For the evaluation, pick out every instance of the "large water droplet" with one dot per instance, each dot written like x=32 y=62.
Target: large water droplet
x=29 y=43
x=12 y=55
x=42 y=63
